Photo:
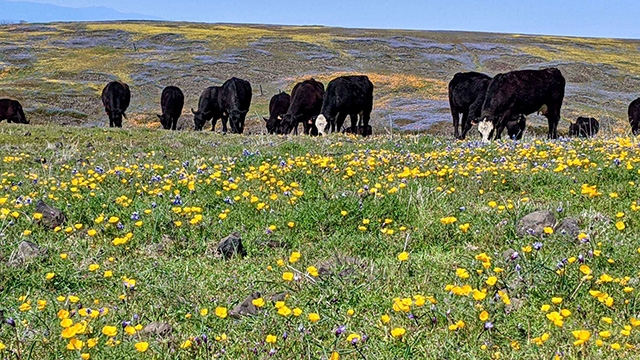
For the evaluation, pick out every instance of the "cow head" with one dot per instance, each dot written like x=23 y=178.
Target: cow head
x=199 y=119
x=574 y=129
x=165 y=120
x=273 y=124
x=287 y=124
x=236 y=120
x=322 y=125
x=485 y=127
x=19 y=117
x=116 y=117
x=635 y=128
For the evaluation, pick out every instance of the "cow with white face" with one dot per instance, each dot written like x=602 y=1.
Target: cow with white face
x=321 y=124
x=523 y=92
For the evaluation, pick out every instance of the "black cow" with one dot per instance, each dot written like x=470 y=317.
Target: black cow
x=634 y=116
x=115 y=98
x=523 y=92
x=584 y=127
x=306 y=103
x=12 y=111
x=278 y=106
x=347 y=95
x=361 y=130
x=208 y=109
x=171 y=101
x=234 y=101
x=466 y=95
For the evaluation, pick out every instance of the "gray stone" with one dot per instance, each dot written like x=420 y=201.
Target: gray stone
x=534 y=223
x=51 y=217
x=568 y=227
x=26 y=251
x=158 y=329
x=231 y=246
x=510 y=254
x=278 y=297
x=246 y=307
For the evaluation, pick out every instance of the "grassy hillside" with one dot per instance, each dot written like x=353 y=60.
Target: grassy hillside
x=389 y=247
x=58 y=70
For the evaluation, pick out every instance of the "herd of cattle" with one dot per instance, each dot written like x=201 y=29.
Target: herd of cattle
x=492 y=103
x=319 y=111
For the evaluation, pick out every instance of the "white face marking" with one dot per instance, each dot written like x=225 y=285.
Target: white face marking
x=321 y=122
x=485 y=127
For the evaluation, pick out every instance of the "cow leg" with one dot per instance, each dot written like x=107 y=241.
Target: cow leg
x=366 y=116
x=354 y=123
x=456 y=121
x=466 y=126
x=175 y=124
x=224 y=124
x=340 y=121
x=305 y=126
x=553 y=117
x=214 y=121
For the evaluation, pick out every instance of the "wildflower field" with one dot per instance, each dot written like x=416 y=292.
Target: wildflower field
x=380 y=248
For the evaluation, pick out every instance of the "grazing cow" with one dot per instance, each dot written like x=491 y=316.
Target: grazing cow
x=584 y=127
x=208 y=109
x=523 y=92
x=278 y=106
x=306 y=103
x=115 y=98
x=234 y=101
x=171 y=101
x=347 y=95
x=361 y=130
x=634 y=116
x=466 y=95
x=12 y=111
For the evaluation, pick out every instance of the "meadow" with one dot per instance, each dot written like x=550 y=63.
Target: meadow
x=387 y=247
x=404 y=245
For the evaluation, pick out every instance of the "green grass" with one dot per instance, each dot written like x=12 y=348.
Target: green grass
x=177 y=273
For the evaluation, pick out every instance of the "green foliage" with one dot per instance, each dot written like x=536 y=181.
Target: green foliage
x=344 y=205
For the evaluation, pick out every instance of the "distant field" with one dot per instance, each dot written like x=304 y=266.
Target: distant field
x=58 y=70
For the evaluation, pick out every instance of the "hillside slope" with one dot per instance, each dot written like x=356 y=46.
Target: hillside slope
x=58 y=70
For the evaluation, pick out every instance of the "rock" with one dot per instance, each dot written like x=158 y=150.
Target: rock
x=158 y=329
x=510 y=254
x=534 y=223
x=246 y=307
x=51 y=217
x=342 y=266
x=278 y=297
x=231 y=246
x=26 y=251
x=569 y=227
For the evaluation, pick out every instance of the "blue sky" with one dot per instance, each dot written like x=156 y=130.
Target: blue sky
x=601 y=18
